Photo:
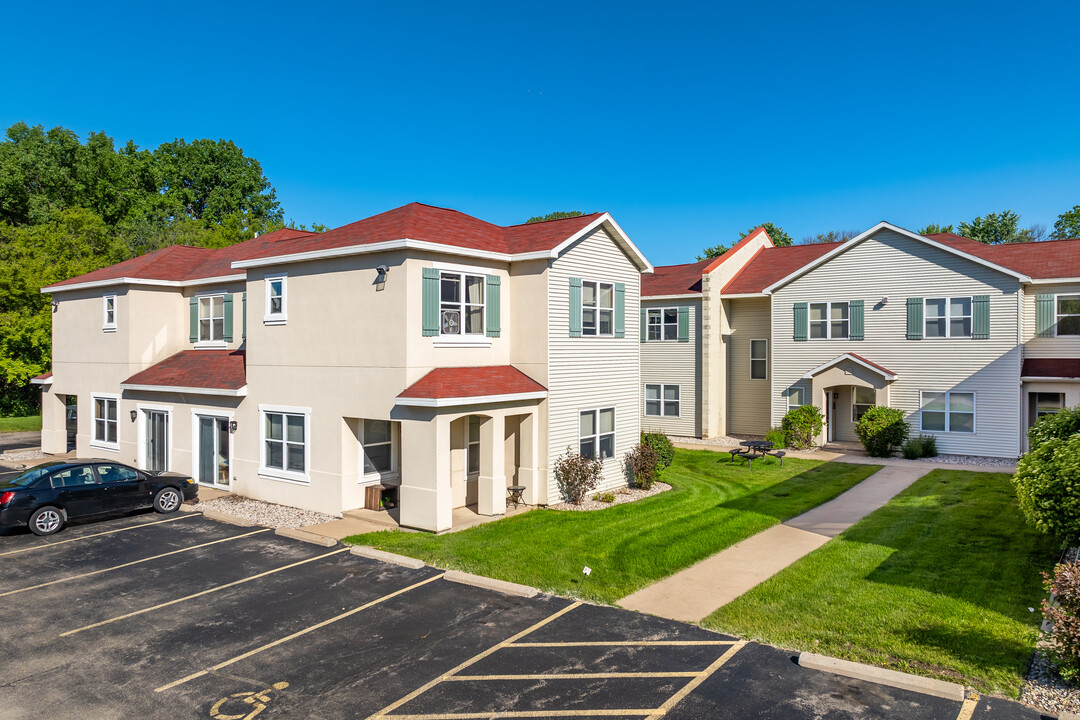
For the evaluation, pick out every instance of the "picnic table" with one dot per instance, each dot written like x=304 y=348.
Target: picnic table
x=756 y=450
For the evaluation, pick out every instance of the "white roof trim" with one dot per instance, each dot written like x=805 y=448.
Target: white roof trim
x=848 y=356
x=683 y=296
x=844 y=247
x=736 y=296
x=475 y=400
x=643 y=262
x=41 y=381
x=239 y=392
x=1025 y=378
x=50 y=289
x=1053 y=281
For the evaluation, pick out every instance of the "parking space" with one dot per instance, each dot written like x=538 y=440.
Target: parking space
x=182 y=617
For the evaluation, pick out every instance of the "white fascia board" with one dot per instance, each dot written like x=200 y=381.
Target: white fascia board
x=1050 y=379
x=1053 y=281
x=737 y=296
x=36 y=381
x=844 y=247
x=848 y=356
x=239 y=392
x=621 y=236
x=51 y=289
x=683 y=296
x=402 y=244
x=475 y=400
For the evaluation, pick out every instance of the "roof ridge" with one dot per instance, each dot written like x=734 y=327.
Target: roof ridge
x=552 y=220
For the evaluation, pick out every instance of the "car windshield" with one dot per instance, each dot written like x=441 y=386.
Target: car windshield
x=31 y=475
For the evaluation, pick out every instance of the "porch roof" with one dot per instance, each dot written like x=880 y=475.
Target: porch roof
x=201 y=372
x=859 y=360
x=43 y=379
x=445 y=387
x=1050 y=368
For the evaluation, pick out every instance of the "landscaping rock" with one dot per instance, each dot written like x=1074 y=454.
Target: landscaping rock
x=265 y=514
x=623 y=495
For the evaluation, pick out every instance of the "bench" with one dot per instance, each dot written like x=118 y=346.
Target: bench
x=779 y=454
x=737 y=452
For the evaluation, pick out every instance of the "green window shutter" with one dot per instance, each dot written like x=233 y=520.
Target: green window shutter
x=243 y=313
x=914 y=318
x=684 y=324
x=1044 y=315
x=493 y=305
x=575 y=307
x=855 y=315
x=802 y=326
x=193 y=307
x=228 y=317
x=430 y=301
x=644 y=325
x=620 y=310
x=980 y=320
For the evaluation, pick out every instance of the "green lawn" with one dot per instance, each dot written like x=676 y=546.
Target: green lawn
x=713 y=504
x=20 y=424
x=937 y=582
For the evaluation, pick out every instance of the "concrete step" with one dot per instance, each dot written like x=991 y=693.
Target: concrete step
x=374 y=517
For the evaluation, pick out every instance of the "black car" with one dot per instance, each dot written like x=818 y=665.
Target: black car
x=47 y=496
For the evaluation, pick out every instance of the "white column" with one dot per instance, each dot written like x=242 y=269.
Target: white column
x=54 y=423
x=492 y=481
x=528 y=471
x=425 y=495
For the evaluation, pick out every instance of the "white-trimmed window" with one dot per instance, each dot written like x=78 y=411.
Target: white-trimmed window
x=947 y=317
x=378 y=448
x=759 y=359
x=862 y=399
x=662 y=400
x=461 y=303
x=828 y=321
x=596 y=433
x=1068 y=314
x=276 y=300
x=285 y=453
x=796 y=396
x=597 y=308
x=212 y=318
x=662 y=324
x=106 y=426
x=108 y=313
x=947 y=411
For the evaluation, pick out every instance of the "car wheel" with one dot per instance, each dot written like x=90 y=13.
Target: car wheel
x=46 y=520
x=168 y=500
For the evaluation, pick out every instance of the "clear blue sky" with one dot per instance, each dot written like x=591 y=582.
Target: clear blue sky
x=687 y=121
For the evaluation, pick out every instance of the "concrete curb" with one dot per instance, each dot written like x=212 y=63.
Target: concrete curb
x=507 y=588
x=224 y=517
x=306 y=536
x=383 y=556
x=892 y=678
x=1067 y=715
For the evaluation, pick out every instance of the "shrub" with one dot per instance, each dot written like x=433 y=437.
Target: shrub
x=1061 y=424
x=929 y=445
x=881 y=429
x=801 y=425
x=777 y=437
x=577 y=476
x=912 y=449
x=1047 y=485
x=608 y=497
x=642 y=465
x=661 y=443
x=1063 y=646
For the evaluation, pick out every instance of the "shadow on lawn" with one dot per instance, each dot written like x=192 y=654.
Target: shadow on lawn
x=785 y=499
x=993 y=651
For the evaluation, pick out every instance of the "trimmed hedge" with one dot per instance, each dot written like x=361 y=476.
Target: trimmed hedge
x=882 y=429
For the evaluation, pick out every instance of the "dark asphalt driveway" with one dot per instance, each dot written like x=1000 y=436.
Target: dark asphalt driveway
x=150 y=616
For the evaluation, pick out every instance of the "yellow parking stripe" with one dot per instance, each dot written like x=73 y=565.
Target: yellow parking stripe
x=129 y=564
x=625 y=643
x=575 y=676
x=494 y=648
x=200 y=594
x=107 y=532
x=968 y=708
x=675 y=699
x=295 y=635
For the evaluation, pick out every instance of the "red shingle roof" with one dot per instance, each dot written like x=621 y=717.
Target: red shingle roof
x=463 y=382
x=1051 y=367
x=42 y=379
x=882 y=368
x=1043 y=260
x=674 y=279
x=209 y=369
x=772 y=264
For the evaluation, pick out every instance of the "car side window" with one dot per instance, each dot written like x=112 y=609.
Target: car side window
x=75 y=477
x=116 y=473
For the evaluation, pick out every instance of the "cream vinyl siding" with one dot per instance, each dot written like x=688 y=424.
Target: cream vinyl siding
x=897 y=267
x=670 y=362
x=1053 y=347
x=592 y=372
x=748 y=400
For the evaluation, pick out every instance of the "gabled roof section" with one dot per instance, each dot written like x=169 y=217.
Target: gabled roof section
x=43 y=379
x=1045 y=260
x=200 y=372
x=859 y=239
x=1050 y=368
x=685 y=279
x=773 y=263
x=454 y=386
x=858 y=360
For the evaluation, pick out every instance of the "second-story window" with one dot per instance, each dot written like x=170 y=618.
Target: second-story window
x=597 y=308
x=461 y=304
x=108 y=320
x=947 y=317
x=663 y=324
x=828 y=320
x=1068 y=314
x=212 y=318
x=275 y=300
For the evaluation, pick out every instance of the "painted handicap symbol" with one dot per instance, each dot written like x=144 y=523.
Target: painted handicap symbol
x=257 y=702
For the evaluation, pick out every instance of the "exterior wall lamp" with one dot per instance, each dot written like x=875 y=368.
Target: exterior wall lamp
x=134 y=415
x=382 y=270
x=232 y=426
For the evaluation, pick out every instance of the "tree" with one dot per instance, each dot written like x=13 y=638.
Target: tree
x=712 y=252
x=776 y=234
x=830 y=237
x=934 y=229
x=557 y=215
x=1000 y=228
x=1067 y=225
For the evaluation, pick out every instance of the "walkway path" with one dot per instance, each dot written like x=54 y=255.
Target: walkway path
x=694 y=593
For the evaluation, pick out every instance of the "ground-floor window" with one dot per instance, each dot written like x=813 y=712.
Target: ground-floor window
x=947 y=411
x=796 y=396
x=1043 y=404
x=378 y=446
x=106 y=425
x=596 y=434
x=662 y=400
x=285 y=443
x=862 y=399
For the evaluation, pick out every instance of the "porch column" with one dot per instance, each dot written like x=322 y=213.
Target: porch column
x=491 y=488
x=817 y=393
x=53 y=423
x=425 y=495
x=528 y=473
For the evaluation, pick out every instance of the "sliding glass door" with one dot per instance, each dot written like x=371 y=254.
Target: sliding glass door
x=213 y=444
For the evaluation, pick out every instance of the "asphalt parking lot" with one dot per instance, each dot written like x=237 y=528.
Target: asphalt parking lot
x=151 y=616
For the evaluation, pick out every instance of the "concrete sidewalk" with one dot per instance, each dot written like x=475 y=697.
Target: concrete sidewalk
x=692 y=594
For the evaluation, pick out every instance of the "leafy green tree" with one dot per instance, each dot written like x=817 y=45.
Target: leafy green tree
x=935 y=229
x=776 y=234
x=830 y=237
x=1067 y=225
x=557 y=215
x=712 y=252
x=999 y=228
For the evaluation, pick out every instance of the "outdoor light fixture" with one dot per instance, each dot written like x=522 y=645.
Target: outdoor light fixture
x=382 y=270
x=55 y=305
x=884 y=301
x=232 y=426
x=134 y=415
